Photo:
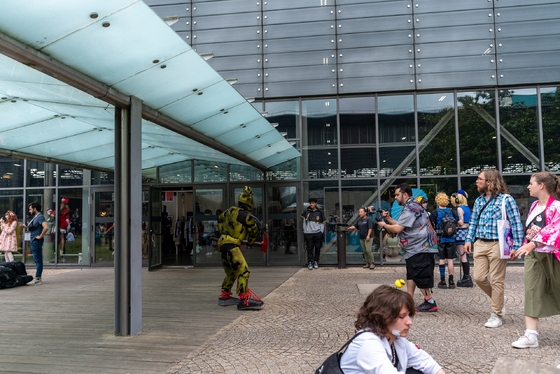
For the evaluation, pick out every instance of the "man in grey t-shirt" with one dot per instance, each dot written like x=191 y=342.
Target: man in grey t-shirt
x=412 y=230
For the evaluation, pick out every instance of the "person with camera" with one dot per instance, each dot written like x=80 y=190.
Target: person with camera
x=412 y=230
x=364 y=225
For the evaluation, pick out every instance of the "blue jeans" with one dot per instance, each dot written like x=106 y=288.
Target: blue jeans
x=37 y=251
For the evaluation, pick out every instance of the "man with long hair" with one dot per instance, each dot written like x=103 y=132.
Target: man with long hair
x=489 y=269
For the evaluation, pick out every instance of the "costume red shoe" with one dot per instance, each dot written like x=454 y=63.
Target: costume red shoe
x=249 y=300
x=225 y=299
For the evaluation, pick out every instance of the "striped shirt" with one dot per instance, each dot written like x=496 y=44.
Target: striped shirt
x=486 y=227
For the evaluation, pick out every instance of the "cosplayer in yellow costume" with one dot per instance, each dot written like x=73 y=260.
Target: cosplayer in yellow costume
x=236 y=225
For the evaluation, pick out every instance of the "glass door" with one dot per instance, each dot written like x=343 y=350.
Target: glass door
x=103 y=227
x=209 y=204
x=283 y=225
x=154 y=229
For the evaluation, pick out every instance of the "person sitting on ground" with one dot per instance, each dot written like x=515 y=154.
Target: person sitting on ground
x=386 y=318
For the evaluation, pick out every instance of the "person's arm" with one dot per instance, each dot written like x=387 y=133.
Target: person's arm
x=45 y=229
x=515 y=220
x=461 y=214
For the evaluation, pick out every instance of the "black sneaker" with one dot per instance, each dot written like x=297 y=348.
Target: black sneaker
x=465 y=282
x=427 y=307
x=310 y=266
x=442 y=284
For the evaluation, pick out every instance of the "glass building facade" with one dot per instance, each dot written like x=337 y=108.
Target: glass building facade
x=372 y=94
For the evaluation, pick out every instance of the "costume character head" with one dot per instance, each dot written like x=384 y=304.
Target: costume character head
x=245 y=200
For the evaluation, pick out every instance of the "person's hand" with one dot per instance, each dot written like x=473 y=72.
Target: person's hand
x=367 y=238
x=468 y=248
x=385 y=213
x=522 y=251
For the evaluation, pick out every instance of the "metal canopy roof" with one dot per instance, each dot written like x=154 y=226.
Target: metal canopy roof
x=57 y=55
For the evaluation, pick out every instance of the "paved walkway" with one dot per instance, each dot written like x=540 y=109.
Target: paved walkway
x=65 y=325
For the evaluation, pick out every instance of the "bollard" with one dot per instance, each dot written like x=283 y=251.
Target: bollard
x=341 y=244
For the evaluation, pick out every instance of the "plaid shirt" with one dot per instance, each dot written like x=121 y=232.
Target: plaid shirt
x=487 y=226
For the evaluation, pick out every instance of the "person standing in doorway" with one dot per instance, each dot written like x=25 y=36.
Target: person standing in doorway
x=63 y=224
x=412 y=230
x=364 y=225
x=313 y=229
x=8 y=241
x=38 y=228
x=489 y=270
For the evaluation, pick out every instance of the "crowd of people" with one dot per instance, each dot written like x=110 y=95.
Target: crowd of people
x=386 y=316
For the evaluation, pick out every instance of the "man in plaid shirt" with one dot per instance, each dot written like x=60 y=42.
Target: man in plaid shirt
x=483 y=234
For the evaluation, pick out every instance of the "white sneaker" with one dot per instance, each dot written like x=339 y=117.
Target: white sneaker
x=493 y=321
x=525 y=342
x=36 y=281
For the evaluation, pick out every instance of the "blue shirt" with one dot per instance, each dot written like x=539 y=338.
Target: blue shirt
x=35 y=226
x=486 y=227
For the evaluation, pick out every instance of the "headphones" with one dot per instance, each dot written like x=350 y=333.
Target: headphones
x=457 y=201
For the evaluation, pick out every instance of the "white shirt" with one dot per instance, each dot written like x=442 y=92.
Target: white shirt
x=371 y=354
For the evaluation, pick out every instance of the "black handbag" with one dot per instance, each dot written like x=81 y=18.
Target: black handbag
x=332 y=364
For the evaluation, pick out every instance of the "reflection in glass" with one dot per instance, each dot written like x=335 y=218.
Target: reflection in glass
x=70 y=176
x=550 y=101
x=283 y=214
x=321 y=163
x=45 y=197
x=319 y=123
x=288 y=170
x=11 y=172
x=102 y=178
x=477 y=131
x=397 y=139
x=286 y=115
x=436 y=130
x=209 y=171
x=519 y=130
x=40 y=174
x=240 y=173
x=179 y=172
x=357 y=127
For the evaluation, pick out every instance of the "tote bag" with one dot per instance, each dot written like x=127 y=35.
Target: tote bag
x=505 y=234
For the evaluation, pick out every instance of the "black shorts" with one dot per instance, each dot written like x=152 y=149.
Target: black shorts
x=420 y=269
x=447 y=251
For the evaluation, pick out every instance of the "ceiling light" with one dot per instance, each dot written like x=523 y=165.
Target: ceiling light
x=264 y=114
x=232 y=80
x=275 y=124
x=283 y=133
x=206 y=56
x=442 y=98
x=403 y=138
x=250 y=99
x=292 y=143
x=171 y=20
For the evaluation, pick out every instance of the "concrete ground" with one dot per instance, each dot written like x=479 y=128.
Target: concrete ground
x=65 y=325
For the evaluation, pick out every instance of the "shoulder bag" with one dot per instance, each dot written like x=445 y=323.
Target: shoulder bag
x=332 y=364
x=505 y=234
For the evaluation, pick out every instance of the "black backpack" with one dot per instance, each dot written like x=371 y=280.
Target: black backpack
x=448 y=225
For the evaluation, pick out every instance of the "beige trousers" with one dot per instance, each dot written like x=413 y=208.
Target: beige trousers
x=489 y=272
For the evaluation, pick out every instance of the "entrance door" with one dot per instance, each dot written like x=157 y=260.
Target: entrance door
x=154 y=229
x=103 y=227
x=282 y=206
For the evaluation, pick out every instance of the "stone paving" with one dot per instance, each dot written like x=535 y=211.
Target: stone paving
x=312 y=314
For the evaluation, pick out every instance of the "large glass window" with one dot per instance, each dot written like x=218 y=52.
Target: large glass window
x=244 y=173
x=70 y=176
x=436 y=132
x=320 y=139
x=11 y=172
x=550 y=102
x=179 y=172
x=286 y=115
x=477 y=131
x=357 y=130
x=209 y=171
x=102 y=178
x=397 y=139
x=40 y=174
x=519 y=130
